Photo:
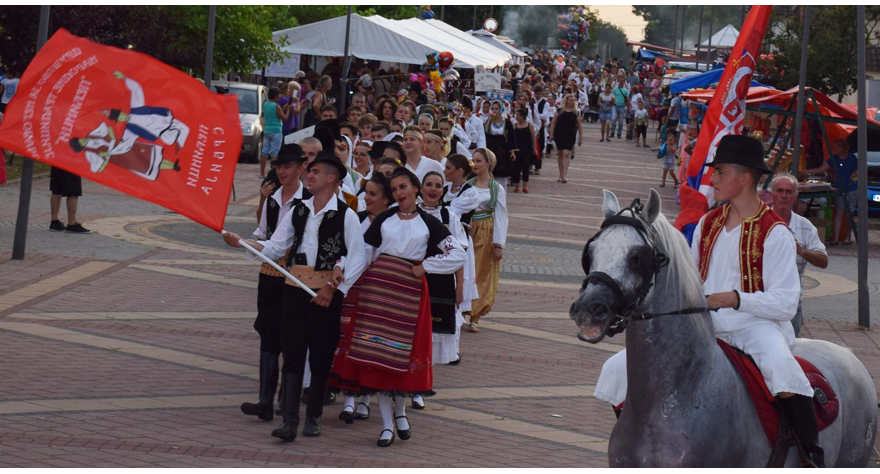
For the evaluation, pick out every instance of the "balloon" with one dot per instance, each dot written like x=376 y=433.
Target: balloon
x=451 y=74
x=436 y=81
x=446 y=59
x=433 y=59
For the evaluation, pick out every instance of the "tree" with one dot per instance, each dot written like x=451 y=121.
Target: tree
x=661 y=26
x=831 y=53
x=603 y=33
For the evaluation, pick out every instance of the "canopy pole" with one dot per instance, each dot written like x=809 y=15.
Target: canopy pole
x=862 y=130
x=675 y=31
x=19 y=242
x=209 y=54
x=711 y=26
x=699 y=38
x=346 y=64
x=681 y=45
x=802 y=79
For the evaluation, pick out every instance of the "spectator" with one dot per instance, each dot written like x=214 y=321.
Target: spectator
x=273 y=114
x=65 y=185
x=8 y=86
x=843 y=166
x=810 y=249
x=621 y=96
x=641 y=119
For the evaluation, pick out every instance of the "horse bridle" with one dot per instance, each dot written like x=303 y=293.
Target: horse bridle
x=652 y=260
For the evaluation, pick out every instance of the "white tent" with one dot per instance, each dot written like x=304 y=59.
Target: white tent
x=463 y=50
x=489 y=48
x=496 y=40
x=723 y=39
x=380 y=39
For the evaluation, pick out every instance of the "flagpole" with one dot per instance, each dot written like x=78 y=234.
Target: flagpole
x=19 y=242
x=268 y=260
x=862 y=131
x=802 y=79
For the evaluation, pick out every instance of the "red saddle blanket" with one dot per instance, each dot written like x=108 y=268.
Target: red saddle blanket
x=824 y=397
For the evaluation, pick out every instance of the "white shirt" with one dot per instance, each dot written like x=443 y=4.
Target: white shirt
x=464 y=141
x=455 y=227
x=478 y=199
x=476 y=131
x=408 y=239
x=776 y=304
x=355 y=260
x=426 y=165
x=634 y=101
x=805 y=233
x=262 y=230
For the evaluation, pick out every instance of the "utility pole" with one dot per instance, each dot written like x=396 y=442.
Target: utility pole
x=699 y=38
x=209 y=54
x=19 y=241
x=802 y=79
x=675 y=30
x=683 y=13
x=711 y=26
x=864 y=301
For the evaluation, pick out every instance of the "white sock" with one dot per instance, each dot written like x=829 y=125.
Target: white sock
x=419 y=400
x=307 y=374
x=400 y=410
x=361 y=409
x=387 y=416
x=348 y=404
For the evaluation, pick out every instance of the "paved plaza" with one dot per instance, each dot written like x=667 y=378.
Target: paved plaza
x=134 y=346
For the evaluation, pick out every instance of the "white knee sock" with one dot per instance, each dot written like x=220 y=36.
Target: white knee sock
x=387 y=415
x=307 y=374
x=400 y=410
x=348 y=404
x=365 y=399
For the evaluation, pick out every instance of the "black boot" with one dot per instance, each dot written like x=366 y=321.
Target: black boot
x=801 y=415
x=315 y=407
x=268 y=382
x=292 y=386
x=279 y=407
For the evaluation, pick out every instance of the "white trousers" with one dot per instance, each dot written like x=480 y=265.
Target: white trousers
x=764 y=342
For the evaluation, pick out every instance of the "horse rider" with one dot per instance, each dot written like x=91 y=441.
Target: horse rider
x=732 y=245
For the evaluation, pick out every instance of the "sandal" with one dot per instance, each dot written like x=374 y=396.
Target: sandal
x=564 y=181
x=525 y=191
x=361 y=416
x=559 y=180
x=474 y=327
x=347 y=416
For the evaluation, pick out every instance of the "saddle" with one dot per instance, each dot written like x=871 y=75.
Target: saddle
x=824 y=398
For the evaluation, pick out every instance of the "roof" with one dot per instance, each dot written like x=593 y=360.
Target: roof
x=725 y=38
x=649 y=46
x=381 y=39
x=701 y=81
x=501 y=42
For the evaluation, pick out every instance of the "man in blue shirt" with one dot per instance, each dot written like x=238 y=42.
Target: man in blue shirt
x=843 y=165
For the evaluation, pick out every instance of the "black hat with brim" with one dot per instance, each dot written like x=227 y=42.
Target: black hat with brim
x=740 y=150
x=377 y=149
x=467 y=103
x=289 y=153
x=330 y=159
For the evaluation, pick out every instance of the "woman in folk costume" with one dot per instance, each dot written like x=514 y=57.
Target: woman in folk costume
x=446 y=290
x=458 y=170
x=488 y=229
x=377 y=196
x=391 y=335
x=344 y=151
x=501 y=139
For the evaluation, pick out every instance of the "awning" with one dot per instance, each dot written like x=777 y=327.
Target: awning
x=648 y=55
x=702 y=81
x=495 y=40
x=376 y=38
x=648 y=46
x=490 y=49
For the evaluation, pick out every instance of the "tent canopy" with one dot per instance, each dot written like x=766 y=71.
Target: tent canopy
x=496 y=40
x=649 y=46
x=701 y=81
x=377 y=38
x=490 y=49
x=724 y=39
x=648 y=55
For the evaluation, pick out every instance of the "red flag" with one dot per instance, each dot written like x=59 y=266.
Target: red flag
x=130 y=122
x=726 y=114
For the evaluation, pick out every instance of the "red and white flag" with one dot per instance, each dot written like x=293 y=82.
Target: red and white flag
x=130 y=122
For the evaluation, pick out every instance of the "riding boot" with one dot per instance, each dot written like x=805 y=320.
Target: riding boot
x=292 y=386
x=279 y=407
x=801 y=415
x=268 y=381
x=315 y=407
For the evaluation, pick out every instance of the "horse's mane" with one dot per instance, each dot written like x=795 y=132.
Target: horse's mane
x=680 y=263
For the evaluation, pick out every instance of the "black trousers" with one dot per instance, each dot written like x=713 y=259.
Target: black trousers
x=541 y=149
x=309 y=327
x=270 y=312
x=521 y=167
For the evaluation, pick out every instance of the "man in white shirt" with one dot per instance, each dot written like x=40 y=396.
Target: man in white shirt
x=473 y=125
x=809 y=248
x=755 y=310
x=414 y=145
x=324 y=238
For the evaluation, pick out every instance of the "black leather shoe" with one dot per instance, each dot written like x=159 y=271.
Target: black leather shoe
x=268 y=381
x=347 y=416
x=417 y=405
x=403 y=434
x=292 y=386
x=360 y=416
x=384 y=443
x=313 y=426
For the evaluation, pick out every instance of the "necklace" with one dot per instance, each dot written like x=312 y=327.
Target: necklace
x=407 y=214
x=430 y=208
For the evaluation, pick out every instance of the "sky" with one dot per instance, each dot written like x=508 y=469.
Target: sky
x=622 y=16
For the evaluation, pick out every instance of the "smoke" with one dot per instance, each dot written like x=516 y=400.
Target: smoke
x=530 y=25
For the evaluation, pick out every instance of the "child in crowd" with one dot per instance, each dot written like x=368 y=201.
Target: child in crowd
x=667 y=154
x=641 y=119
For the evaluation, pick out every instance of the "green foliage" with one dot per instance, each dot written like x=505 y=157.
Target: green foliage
x=831 y=52
x=661 y=28
x=603 y=33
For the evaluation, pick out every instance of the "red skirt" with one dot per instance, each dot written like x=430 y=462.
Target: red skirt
x=353 y=376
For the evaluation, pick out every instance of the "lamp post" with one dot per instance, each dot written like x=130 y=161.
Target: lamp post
x=864 y=301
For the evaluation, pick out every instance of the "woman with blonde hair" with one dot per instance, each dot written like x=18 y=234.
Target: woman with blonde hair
x=564 y=130
x=488 y=202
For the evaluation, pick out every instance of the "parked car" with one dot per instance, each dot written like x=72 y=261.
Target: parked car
x=251 y=98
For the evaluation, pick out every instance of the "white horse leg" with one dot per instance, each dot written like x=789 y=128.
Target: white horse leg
x=612 y=383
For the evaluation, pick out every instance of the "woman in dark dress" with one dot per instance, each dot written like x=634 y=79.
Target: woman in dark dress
x=525 y=133
x=564 y=130
x=501 y=139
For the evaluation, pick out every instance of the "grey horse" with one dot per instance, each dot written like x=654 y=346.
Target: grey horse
x=686 y=405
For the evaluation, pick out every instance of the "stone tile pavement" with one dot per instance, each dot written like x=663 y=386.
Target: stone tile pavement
x=134 y=346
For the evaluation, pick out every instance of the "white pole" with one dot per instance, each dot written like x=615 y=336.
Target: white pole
x=270 y=262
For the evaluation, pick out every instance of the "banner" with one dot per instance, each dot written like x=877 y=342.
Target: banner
x=130 y=122
x=725 y=116
x=484 y=81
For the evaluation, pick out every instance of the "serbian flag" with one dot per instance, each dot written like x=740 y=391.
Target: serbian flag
x=127 y=121
x=725 y=116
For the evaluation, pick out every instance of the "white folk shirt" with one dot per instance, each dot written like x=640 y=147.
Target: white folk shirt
x=263 y=229
x=355 y=261
x=475 y=198
x=408 y=239
x=805 y=233
x=777 y=304
x=426 y=165
x=476 y=131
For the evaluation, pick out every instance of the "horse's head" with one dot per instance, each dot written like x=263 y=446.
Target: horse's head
x=621 y=262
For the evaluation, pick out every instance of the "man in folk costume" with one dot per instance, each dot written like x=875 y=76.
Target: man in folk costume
x=324 y=238
x=746 y=258
x=270 y=290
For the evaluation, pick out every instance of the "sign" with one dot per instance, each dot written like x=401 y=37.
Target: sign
x=464 y=86
x=490 y=25
x=500 y=94
x=127 y=121
x=284 y=68
x=484 y=81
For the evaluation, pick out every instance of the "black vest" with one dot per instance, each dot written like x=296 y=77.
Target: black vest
x=273 y=208
x=466 y=218
x=541 y=105
x=331 y=235
x=453 y=145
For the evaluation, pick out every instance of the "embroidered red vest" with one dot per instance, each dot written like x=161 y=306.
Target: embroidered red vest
x=755 y=230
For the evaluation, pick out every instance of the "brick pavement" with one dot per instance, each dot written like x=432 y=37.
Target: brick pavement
x=140 y=364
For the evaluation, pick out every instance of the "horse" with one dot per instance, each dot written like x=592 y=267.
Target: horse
x=686 y=405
